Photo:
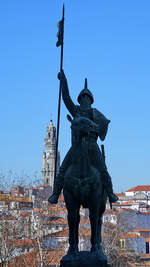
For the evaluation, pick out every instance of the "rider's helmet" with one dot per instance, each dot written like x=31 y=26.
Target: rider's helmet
x=85 y=91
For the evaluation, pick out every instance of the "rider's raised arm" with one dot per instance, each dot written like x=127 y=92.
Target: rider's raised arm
x=65 y=95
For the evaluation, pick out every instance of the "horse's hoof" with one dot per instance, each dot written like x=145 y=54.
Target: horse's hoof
x=94 y=249
x=72 y=251
x=99 y=252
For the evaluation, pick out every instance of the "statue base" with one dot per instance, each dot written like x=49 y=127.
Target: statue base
x=84 y=259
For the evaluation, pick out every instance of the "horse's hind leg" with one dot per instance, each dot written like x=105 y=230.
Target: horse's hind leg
x=99 y=238
x=77 y=228
x=94 y=228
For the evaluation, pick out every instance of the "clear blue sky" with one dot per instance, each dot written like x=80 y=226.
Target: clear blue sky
x=106 y=41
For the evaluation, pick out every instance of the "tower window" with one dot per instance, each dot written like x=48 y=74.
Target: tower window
x=47 y=180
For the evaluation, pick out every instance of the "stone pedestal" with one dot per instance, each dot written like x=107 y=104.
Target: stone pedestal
x=84 y=259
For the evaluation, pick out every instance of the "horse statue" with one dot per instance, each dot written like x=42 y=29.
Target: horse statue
x=83 y=175
x=83 y=186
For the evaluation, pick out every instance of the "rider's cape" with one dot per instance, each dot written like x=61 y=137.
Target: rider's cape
x=102 y=122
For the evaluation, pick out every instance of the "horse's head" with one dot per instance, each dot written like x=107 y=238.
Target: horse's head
x=82 y=125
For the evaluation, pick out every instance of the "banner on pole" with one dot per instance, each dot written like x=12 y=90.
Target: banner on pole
x=60 y=26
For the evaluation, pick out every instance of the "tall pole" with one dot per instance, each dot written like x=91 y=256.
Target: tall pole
x=59 y=99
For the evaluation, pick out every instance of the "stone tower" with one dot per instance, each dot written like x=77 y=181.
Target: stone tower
x=49 y=156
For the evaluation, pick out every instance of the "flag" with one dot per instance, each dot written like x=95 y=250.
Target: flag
x=60 y=32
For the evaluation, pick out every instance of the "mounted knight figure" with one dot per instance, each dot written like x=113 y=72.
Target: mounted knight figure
x=100 y=127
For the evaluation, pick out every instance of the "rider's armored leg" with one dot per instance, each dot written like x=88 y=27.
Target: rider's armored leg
x=108 y=186
x=58 y=185
x=59 y=179
x=98 y=162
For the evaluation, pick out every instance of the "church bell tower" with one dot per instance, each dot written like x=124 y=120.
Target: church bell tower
x=48 y=167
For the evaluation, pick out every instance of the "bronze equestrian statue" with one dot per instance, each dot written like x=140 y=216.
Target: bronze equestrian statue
x=83 y=175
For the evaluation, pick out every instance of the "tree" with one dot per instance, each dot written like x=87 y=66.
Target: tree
x=10 y=224
x=117 y=256
x=7 y=246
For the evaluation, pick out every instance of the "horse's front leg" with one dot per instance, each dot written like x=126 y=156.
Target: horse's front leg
x=73 y=222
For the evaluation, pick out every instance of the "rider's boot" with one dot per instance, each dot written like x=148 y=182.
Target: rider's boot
x=108 y=187
x=58 y=185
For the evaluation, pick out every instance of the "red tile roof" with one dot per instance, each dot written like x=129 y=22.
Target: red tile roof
x=128 y=203
x=141 y=230
x=30 y=188
x=139 y=188
x=55 y=208
x=120 y=194
x=51 y=258
x=25 y=213
x=36 y=210
x=130 y=235
x=143 y=256
x=63 y=212
x=23 y=242
x=57 y=221
x=8 y=199
x=64 y=233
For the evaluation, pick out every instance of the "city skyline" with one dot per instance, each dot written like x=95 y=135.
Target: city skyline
x=106 y=42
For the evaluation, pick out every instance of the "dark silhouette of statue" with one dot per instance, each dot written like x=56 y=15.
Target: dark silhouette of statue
x=83 y=175
x=85 y=100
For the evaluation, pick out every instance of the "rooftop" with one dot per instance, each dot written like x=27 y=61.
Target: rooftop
x=141 y=230
x=120 y=194
x=56 y=221
x=25 y=213
x=36 y=210
x=65 y=233
x=15 y=199
x=128 y=203
x=23 y=242
x=139 y=188
x=51 y=257
x=130 y=235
